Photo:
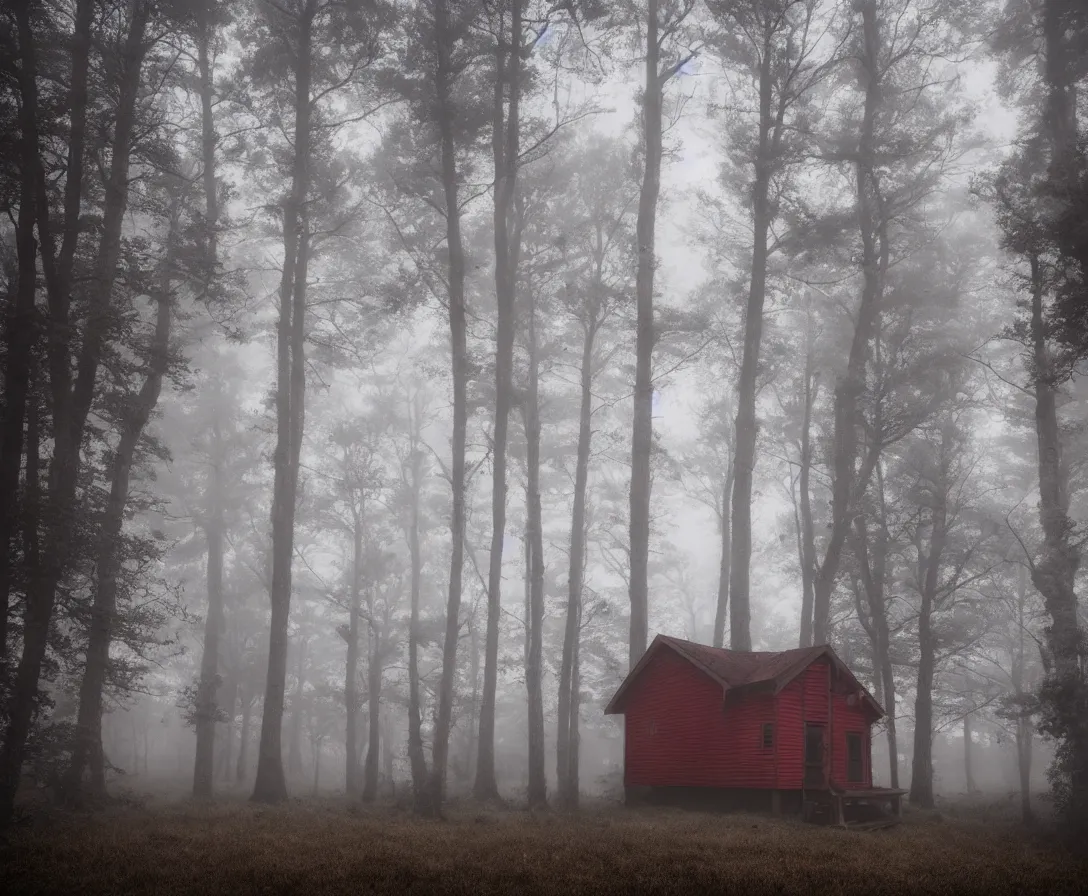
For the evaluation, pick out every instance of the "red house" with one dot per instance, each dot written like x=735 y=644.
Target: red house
x=787 y=730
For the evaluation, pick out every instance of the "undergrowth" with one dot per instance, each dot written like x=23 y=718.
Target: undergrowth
x=335 y=847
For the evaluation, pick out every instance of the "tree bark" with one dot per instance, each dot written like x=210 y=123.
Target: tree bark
x=1025 y=730
x=271 y=785
x=566 y=726
x=88 y=736
x=538 y=787
x=873 y=562
x=846 y=487
x=968 y=750
x=20 y=330
x=725 y=530
x=642 y=427
x=505 y=149
x=225 y=763
x=215 y=529
x=374 y=697
x=243 y=739
x=921 y=783
x=421 y=796
x=1054 y=572
x=740 y=637
x=808 y=534
x=351 y=673
x=207 y=710
x=71 y=402
x=574 y=764
x=446 y=112
x=294 y=742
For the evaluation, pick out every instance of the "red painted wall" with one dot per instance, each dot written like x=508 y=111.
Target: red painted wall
x=803 y=700
x=678 y=732
x=855 y=720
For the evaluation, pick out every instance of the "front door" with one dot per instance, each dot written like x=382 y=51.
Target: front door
x=814 y=756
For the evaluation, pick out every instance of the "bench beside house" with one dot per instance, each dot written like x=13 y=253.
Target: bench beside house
x=784 y=732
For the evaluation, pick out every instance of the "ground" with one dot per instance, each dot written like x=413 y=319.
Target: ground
x=333 y=847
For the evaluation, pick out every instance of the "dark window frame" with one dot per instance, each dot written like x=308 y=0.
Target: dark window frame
x=855 y=767
x=767 y=736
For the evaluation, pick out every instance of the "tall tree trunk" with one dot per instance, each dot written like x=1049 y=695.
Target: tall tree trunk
x=921 y=783
x=846 y=487
x=224 y=768
x=1025 y=730
x=446 y=112
x=871 y=552
x=88 y=735
x=71 y=403
x=1054 y=572
x=271 y=785
x=808 y=533
x=417 y=759
x=388 y=755
x=215 y=529
x=351 y=673
x=243 y=739
x=294 y=739
x=538 y=786
x=968 y=751
x=566 y=775
x=20 y=337
x=374 y=697
x=207 y=709
x=505 y=148
x=474 y=673
x=740 y=637
x=725 y=531
x=642 y=427
x=574 y=765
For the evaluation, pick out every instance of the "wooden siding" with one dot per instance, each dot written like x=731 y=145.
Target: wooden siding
x=853 y=720
x=678 y=734
x=803 y=700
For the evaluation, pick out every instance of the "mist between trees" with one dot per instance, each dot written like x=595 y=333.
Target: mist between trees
x=378 y=377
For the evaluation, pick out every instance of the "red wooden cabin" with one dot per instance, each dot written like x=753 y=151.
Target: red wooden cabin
x=787 y=730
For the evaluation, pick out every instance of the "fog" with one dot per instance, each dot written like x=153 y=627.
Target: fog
x=374 y=394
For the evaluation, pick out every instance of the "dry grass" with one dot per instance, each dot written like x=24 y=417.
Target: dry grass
x=324 y=847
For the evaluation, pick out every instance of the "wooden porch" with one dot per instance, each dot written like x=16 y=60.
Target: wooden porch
x=859 y=810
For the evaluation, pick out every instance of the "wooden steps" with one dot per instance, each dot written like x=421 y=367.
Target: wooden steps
x=872 y=825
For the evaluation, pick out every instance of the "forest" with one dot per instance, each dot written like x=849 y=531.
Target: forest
x=379 y=377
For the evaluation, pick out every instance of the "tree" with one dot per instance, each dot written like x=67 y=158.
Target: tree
x=135 y=414
x=599 y=241
x=904 y=138
x=1035 y=195
x=506 y=152
x=444 y=128
x=206 y=23
x=773 y=43
x=71 y=397
x=298 y=32
x=664 y=60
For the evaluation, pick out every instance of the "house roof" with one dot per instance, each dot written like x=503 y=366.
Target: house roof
x=735 y=670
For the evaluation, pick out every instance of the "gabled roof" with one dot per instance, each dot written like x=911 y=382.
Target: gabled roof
x=735 y=670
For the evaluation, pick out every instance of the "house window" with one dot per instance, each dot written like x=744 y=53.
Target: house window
x=768 y=735
x=854 y=771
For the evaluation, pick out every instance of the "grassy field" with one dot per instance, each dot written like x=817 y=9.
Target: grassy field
x=330 y=847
